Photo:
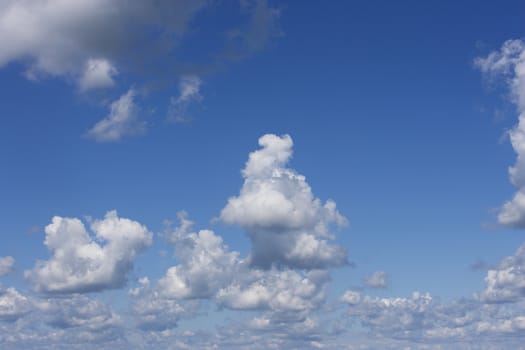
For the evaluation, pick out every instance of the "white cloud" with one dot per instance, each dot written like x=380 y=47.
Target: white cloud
x=287 y=225
x=509 y=63
x=189 y=93
x=6 y=265
x=377 y=280
x=506 y=282
x=205 y=266
x=123 y=120
x=82 y=263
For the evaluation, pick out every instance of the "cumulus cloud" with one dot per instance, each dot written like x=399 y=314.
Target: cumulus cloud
x=287 y=225
x=81 y=262
x=205 y=266
x=189 y=93
x=509 y=63
x=123 y=120
x=6 y=265
x=377 y=280
x=506 y=281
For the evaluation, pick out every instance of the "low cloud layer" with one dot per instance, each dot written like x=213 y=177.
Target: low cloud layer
x=284 y=303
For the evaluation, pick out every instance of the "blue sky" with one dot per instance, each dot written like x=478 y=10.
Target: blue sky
x=259 y=174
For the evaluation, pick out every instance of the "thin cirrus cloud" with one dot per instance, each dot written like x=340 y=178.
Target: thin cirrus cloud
x=509 y=64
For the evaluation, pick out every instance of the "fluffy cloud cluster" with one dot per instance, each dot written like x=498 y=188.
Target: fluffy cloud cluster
x=205 y=265
x=287 y=225
x=509 y=62
x=80 y=262
x=207 y=270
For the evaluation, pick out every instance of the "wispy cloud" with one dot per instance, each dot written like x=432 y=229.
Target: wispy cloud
x=189 y=93
x=377 y=280
x=123 y=120
x=6 y=265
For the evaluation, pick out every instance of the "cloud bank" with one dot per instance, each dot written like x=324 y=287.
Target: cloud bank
x=283 y=303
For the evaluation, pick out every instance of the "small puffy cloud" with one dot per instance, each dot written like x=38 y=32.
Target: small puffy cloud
x=13 y=305
x=287 y=225
x=189 y=93
x=97 y=73
x=6 y=265
x=506 y=281
x=351 y=297
x=377 y=280
x=123 y=120
x=81 y=262
x=509 y=63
